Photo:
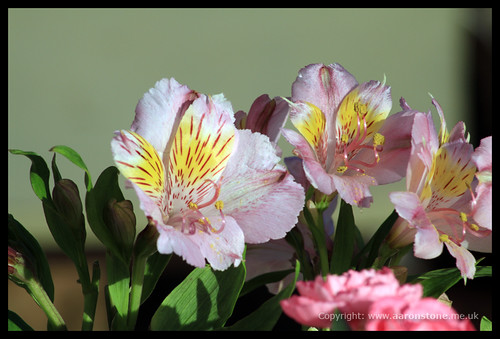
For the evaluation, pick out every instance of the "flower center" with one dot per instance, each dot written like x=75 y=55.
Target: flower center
x=192 y=218
x=351 y=141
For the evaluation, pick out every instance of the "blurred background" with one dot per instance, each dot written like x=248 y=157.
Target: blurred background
x=76 y=75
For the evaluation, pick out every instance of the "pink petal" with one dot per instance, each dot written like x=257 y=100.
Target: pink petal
x=171 y=240
x=267 y=116
x=308 y=312
x=354 y=189
x=254 y=187
x=396 y=149
x=482 y=156
x=159 y=110
x=222 y=249
x=324 y=86
x=427 y=244
x=314 y=171
x=466 y=262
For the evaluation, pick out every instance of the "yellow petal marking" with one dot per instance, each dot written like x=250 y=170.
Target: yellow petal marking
x=450 y=176
x=311 y=124
x=199 y=154
x=143 y=167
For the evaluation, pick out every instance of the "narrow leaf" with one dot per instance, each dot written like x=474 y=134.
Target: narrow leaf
x=16 y=323
x=76 y=159
x=343 y=243
x=439 y=281
x=39 y=173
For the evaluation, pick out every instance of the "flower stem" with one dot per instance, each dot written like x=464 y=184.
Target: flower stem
x=90 y=295
x=138 y=269
x=42 y=299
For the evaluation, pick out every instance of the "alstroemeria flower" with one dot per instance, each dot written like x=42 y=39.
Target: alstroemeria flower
x=346 y=139
x=206 y=186
x=439 y=206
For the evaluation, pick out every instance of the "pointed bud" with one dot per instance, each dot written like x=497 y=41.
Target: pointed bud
x=120 y=219
x=66 y=198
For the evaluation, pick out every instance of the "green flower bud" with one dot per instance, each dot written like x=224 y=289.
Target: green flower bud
x=67 y=201
x=120 y=219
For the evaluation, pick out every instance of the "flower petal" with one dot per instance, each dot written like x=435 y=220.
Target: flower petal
x=310 y=121
x=325 y=86
x=370 y=101
x=139 y=163
x=354 y=189
x=267 y=116
x=223 y=249
x=450 y=176
x=395 y=155
x=314 y=171
x=466 y=262
x=308 y=311
x=254 y=188
x=159 y=110
x=201 y=148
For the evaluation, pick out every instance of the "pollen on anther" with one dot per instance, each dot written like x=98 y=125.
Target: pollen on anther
x=219 y=204
x=378 y=139
x=463 y=216
x=341 y=169
x=193 y=206
x=444 y=238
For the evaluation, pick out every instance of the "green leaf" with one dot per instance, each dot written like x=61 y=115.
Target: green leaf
x=39 y=173
x=203 y=301
x=266 y=316
x=24 y=242
x=16 y=323
x=374 y=244
x=118 y=289
x=155 y=266
x=486 y=324
x=343 y=243
x=76 y=159
x=439 y=281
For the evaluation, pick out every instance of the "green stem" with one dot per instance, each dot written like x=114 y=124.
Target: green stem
x=43 y=300
x=138 y=269
x=318 y=233
x=90 y=294
x=323 y=253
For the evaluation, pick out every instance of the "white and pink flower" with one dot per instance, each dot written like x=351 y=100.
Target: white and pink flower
x=206 y=186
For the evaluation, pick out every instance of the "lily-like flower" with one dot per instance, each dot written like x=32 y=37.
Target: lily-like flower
x=346 y=139
x=439 y=206
x=206 y=186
